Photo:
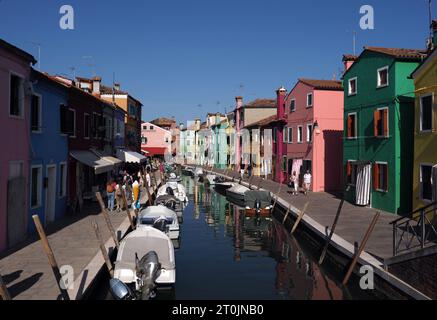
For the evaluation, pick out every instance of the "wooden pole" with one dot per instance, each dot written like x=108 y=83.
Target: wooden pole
x=4 y=293
x=51 y=257
x=277 y=196
x=103 y=248
x=259 y=183
x=107 y=219
x=299 y=218
x=361 y=248
x=331 y=233
x=123 y=195
x=286 y=215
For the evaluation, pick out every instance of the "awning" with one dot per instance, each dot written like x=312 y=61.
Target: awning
x=130 y=156
x=155 y=151
x=90 y=159
x=108 y=157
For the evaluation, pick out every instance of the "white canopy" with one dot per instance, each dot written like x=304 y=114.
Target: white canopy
x=130 y=156
x=90 y=159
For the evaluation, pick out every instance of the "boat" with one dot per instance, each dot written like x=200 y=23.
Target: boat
x=198 y=171
x=258 y=203
x=236 y=194
x=161 y=217
x=137 y=279
x=210 y=178
x=174 y=178
x=173 y=188
x=172 y=203
x=188 y=171
x=221 y=187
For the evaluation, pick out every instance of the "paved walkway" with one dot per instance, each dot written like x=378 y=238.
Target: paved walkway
x=353 y=221
x=26 y=270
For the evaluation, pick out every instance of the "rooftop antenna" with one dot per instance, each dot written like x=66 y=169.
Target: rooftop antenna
x=39 y=53
x=354 y=41
x=113 y=87
x=73 y=71
x=430 y=19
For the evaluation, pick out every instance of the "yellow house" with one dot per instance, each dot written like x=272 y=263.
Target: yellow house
x=425 y=134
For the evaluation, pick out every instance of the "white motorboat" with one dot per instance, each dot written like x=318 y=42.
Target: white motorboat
x=198 y=171
x=173 y=189
x=172 y=203
x=236 y=194
x=174 y=178
x=221 y=187
x=211 y=178
x=145 y=260
x=160 y=217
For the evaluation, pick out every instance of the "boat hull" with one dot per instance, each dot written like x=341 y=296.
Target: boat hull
x=264 y=213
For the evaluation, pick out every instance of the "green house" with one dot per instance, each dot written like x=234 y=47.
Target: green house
x=378 y=140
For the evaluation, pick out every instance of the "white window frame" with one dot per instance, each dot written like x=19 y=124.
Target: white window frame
x=349 y=93
x=39 y=114
x=312 y=100
x=424 y=164
x=290 y=136
x=299 y=136
x=356 y=124
x=294 y=109
x=62 y=185
x=74 y=123
x=20 y=102
x=383 y=163
x=421 y=112
x=378 y=79
x=89 y=126
x=285 y=135
x=309 y=137
x=39 y=189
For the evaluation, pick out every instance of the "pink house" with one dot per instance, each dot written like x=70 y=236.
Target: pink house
x=314 y=132
x=15 y=93
x=155 y=141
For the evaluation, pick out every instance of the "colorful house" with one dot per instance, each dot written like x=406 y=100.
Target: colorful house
x=314 y=132
x=220 y=145
x=15 y=98
x=378 y=128
x=48 y=151
x=425 y=135
x=155 y=141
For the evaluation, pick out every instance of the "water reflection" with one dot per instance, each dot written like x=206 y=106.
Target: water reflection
x=270 y=260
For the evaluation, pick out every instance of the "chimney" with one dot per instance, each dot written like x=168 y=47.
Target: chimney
x=348 y=61
x=96 y=85
x=280 y=102
x=432 y=42
x=117 y=86
x=239 y=102
x=197 y=124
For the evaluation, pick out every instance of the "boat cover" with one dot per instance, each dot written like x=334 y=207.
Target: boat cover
x=252 y=195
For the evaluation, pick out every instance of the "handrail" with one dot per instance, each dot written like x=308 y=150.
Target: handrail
x=415 y=211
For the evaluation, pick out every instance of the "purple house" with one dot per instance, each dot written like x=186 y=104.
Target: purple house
x=15 y=97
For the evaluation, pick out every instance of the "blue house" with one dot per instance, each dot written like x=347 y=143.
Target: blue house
x=48 y=150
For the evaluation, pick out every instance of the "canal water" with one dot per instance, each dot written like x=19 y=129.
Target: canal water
x=224 y=255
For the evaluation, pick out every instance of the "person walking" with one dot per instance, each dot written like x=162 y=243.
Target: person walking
x=119 y=197
x=294 y=183
x=110 y=195
x=242 y=171
x=307 y=182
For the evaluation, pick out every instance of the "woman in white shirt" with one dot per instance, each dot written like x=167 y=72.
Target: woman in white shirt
x=307 y=181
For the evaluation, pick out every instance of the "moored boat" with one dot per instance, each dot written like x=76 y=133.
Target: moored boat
x=258 y=203
x=236 y=194
x=160 y=217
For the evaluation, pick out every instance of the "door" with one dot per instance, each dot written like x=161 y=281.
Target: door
x=50 y=186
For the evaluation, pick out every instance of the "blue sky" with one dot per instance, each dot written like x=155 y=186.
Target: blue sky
x=175 y=55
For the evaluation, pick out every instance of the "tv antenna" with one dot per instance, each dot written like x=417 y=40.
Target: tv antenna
x=38 y=45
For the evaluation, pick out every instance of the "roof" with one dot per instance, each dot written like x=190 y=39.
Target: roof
x=350 y=57
x=263 y=122
x=261 y=103
x=425 y=62
x=17 y=51
x=399 y=53
x=323 y=84
x=163 y=121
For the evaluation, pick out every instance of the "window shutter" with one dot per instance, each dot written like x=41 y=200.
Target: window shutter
x=63 y=118
x=349 y=126
x=349 y=168
x=375 y=122
x=385 y=119
x=375 y=176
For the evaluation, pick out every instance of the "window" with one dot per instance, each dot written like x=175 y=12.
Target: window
x=63 y=180
x=188 y=143
x=68 y=121
x=293 y=105
x=284 y=164
x=152 y=127
x=426 y=113
x=351 y=125
x=274 y=135
x=108 y=128
x=351 y=172
x=73 y=123
x=96 y=122
x=290 y=135
x=16 y=96
x=382 y=77
x=380 y=122
x=299 y=134
x=284 y=135
x=36 y=185
x=143 y=140
x=309 y=100
x=86 y=126
x=35 y=113
x=425 y=182
x=380 y=176
x=166 y=140
x=352 y=87
x=132 y=110
x=144 y=127
x=309 y=132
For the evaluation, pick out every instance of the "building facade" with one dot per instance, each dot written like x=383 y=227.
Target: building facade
x=155 y=141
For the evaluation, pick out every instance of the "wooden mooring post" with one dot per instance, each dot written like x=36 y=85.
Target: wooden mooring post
x=103 y=248
x=51 y=257
x=299 y=218
x=4 y=293
x=107 y=219
x=331 y=233
x=129 y=215
x=361 y=248
x=277 y=196
x=286 y=215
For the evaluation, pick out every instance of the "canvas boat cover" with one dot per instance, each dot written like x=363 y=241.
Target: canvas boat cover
x=251 y=196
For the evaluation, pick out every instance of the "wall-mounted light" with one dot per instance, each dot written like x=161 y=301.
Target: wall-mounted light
x=316 y=128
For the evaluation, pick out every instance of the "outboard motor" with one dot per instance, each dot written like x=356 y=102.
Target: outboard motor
x=258 y=212
x=169 y=191
x=148 y=270
x=120 y=291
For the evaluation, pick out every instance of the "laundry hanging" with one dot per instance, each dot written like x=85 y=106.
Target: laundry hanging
x=363 y=184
